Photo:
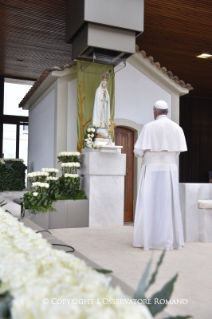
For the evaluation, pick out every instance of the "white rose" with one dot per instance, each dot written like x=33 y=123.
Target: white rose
x=35 y=194
x=88 y=135
x=92 y=135
x=88 y=130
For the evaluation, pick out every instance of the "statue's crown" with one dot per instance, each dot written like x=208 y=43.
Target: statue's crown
x=105 y=77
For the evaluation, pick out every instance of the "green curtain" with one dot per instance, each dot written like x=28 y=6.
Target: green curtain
x=89 y=76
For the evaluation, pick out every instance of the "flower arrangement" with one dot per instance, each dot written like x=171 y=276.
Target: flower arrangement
x=38 y=199
x=111 y=129
x=66 y=157
x=46 y=187
x=33 y=272
x=90 y=136
x=68 y=185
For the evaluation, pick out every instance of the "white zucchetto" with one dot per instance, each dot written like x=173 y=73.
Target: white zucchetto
x=162 y=105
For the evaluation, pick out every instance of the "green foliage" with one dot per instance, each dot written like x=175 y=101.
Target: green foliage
x=142 y=286
x=40 y=203
x=179 y=317
x=65 y=188
x=12 y=175
x=68 y=159
x=3 y=203
x=103 y=271
x=164 y=293
x=5 y=305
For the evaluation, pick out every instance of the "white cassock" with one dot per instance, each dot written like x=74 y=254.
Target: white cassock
x=158 y=220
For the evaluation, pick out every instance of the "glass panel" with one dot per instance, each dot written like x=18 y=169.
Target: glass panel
x=9 y=140
x=13 y=94
x=23 y=143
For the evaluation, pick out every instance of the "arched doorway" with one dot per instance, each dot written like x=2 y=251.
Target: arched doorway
x=125 y=137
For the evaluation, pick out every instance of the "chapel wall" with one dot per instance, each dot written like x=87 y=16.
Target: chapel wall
x=41 y=134
x=135 y=95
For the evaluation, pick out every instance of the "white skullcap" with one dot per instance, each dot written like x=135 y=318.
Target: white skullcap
x=162 y=105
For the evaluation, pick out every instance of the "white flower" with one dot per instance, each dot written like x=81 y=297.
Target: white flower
x=96 y=146
x=88 y=135
x=93 y=129
x=71 y=175
x=88 y=130
x=38 y=184
x=92 y=135
x=35 y=194
x=31 y=270
x=52 y=178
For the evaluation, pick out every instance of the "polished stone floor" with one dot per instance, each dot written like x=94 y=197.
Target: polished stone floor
x=111 y=248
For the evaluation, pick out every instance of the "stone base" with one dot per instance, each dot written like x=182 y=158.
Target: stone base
x=205 y=225
x=106 y=200
x=103 y=183
x=69 y=214
x=189 y=196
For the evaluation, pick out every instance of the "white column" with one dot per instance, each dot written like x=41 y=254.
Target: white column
x=103 y=183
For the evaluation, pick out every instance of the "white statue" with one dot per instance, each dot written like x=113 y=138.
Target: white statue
x=101 y=110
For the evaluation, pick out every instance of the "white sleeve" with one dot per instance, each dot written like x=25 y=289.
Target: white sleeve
x=138 y=153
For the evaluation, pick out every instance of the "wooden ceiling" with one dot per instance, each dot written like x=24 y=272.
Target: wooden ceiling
x=175 y=32
x=32 y=38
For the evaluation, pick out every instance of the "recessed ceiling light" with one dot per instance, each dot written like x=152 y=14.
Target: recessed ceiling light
x=204 y=56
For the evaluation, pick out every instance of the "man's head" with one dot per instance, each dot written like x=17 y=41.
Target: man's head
x=160 y=108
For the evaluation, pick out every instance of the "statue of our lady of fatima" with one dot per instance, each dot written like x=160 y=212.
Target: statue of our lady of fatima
x=101 y=110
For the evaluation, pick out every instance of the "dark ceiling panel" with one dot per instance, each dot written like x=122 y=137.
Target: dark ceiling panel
x=175 y=33
x=32 y=38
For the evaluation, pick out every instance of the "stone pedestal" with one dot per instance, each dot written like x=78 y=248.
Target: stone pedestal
x=103 y=173
x=205 y=225
x=192 y=221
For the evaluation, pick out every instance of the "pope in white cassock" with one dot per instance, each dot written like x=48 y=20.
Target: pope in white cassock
x=158 y=220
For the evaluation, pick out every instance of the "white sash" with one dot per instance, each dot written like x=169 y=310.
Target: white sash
x=159 y=157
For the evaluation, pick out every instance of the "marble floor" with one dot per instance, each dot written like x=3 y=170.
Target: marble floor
x=111 y=248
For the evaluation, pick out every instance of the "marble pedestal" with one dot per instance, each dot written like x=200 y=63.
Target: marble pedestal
x=103 y=173
x=189 y=196
x=205 y=225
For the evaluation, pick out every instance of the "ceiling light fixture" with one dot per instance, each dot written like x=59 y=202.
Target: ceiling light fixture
x=204 y=56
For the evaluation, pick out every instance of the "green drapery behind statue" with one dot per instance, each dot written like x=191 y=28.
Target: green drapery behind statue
x=88 y=81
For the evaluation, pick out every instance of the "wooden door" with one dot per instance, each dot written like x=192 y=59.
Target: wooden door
x=125 y=137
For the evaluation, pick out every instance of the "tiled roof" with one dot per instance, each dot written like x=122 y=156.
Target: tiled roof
x=41 y=79
x=45 y=74
x=164 y=70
